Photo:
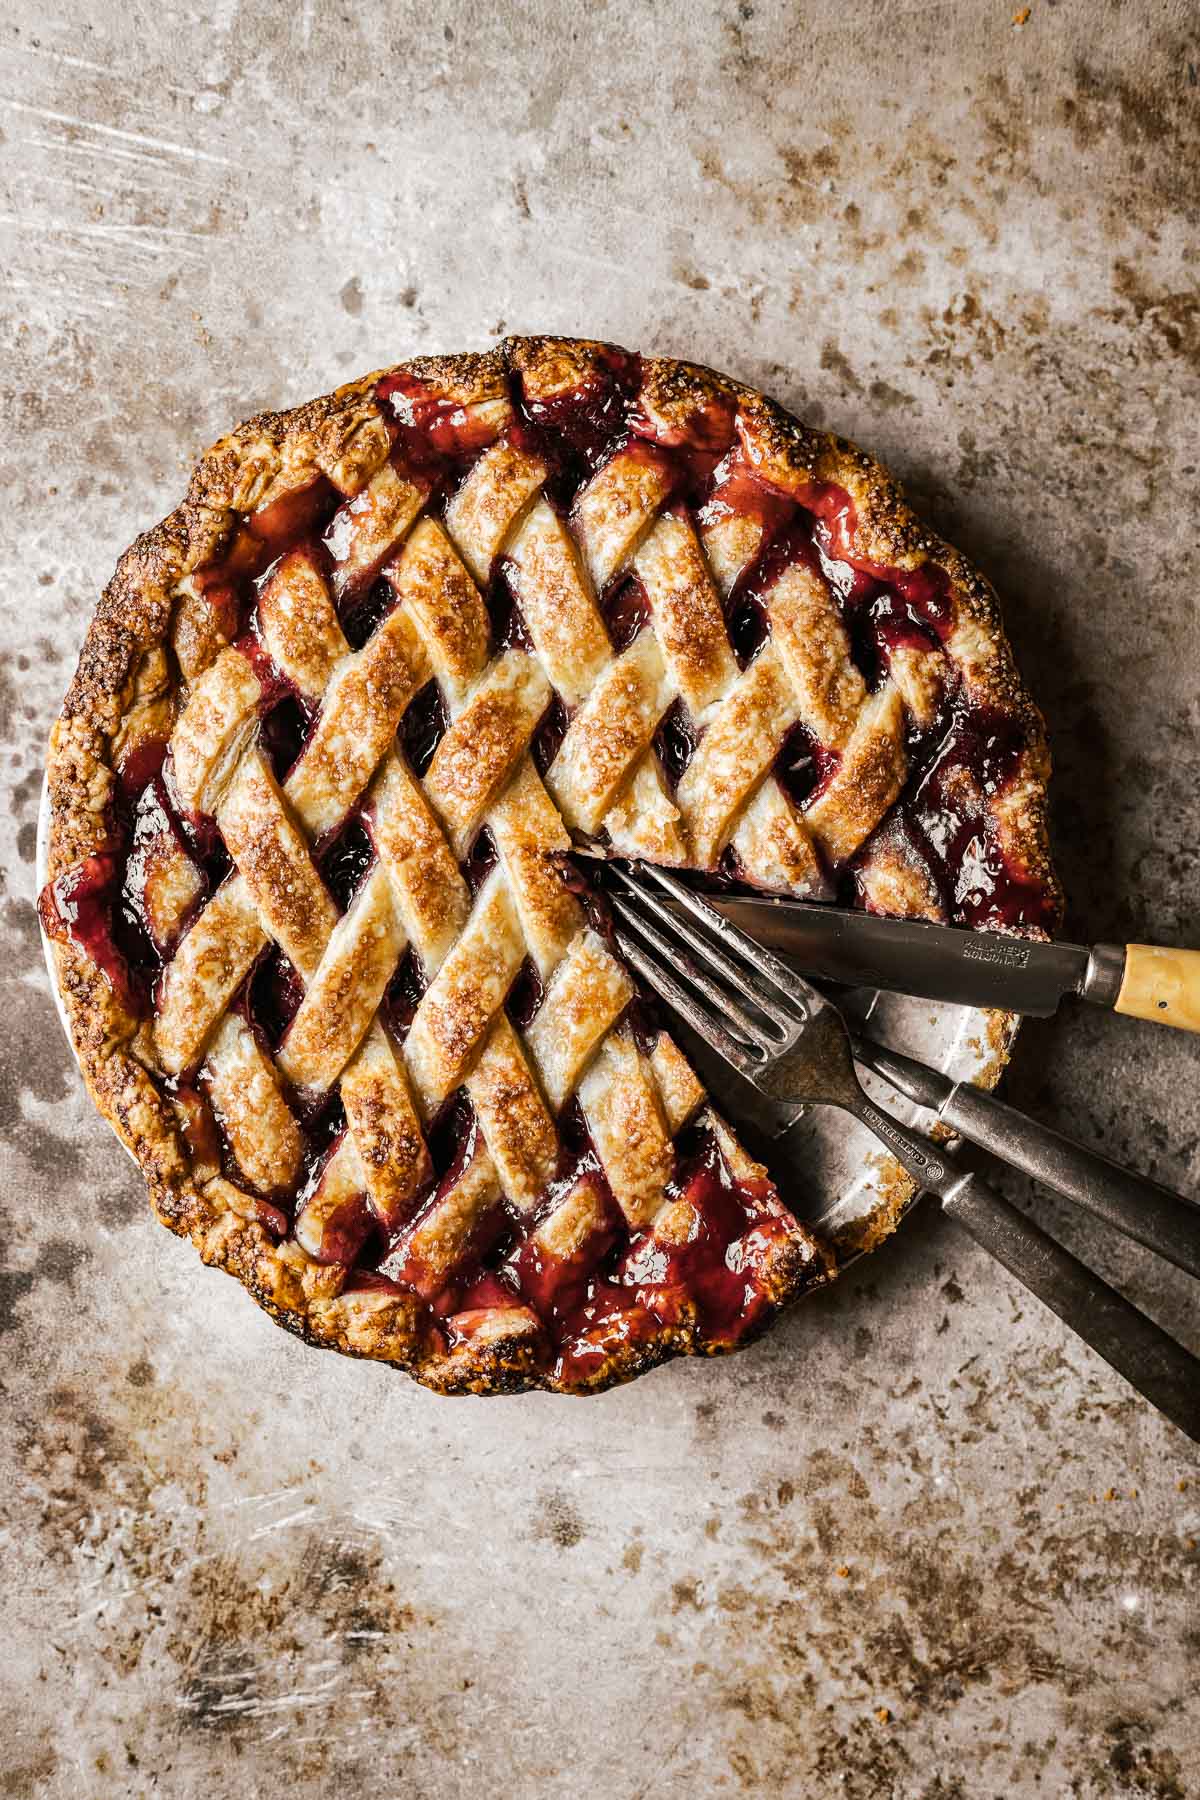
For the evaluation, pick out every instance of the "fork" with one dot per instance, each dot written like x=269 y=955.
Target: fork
x=792 y=1044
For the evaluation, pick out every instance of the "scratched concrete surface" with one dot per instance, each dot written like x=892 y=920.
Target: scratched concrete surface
x=920 y=1542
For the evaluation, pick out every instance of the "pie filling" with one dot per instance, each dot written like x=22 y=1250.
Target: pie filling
x=339 y=890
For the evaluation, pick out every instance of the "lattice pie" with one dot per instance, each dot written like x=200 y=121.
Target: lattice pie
x=331 y=967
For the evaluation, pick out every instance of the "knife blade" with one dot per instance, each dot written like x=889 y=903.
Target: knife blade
x=938 y=962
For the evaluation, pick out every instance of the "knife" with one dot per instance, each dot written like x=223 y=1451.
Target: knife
x=972 y=968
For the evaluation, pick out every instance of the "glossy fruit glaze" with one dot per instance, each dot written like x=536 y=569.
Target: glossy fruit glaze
x=616 y=1284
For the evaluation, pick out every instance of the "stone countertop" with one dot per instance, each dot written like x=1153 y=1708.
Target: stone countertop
x=920 y=1542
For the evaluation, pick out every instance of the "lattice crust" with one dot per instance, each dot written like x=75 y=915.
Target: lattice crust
x=506 y=605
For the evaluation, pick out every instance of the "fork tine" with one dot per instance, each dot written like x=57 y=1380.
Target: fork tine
x=785 y=983
x=759 y=993
x=682 y=963
x=697 y=1016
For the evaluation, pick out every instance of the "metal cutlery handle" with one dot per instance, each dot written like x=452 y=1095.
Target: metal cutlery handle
x=1138 y=1349
x=1166 y=1223
x=1152 y=1215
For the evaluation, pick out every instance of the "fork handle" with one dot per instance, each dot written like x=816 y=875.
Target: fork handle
x=1166 y=1223
x=1148 y=1357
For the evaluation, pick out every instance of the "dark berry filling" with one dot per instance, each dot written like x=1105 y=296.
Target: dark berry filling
x=675 y=743
x=80 y=907
x=709 y=1275
x=481 y=860
x=893 y=622
x=747 y=624
x=274 y=995
x=737 y=492
x=295 y=517
x=261 y=540
x=803 y=765
x=525 y=995
x=205 y=844
x=547 y=739
x=362 y=619
x=139 y=768
x=558 y=1287
x=577 y=430
x=404 y=993
x=346 y=860
x=626 y=611
x=509 y=630
x=615 y=1290
x=423 y=726
x=970 y=763
x=432 y=431
x=284 y=733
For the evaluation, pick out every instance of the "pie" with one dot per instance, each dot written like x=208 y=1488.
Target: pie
x=332 y=966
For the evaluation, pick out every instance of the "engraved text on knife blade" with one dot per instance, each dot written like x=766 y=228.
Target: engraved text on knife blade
x=1001 y=951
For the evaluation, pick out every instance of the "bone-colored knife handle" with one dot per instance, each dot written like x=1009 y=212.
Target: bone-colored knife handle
x=1163 y=985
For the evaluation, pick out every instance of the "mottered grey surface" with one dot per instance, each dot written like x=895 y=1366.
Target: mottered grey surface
x=919 y=1542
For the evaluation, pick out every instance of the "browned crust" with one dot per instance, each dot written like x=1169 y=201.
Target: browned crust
x=269 y=455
